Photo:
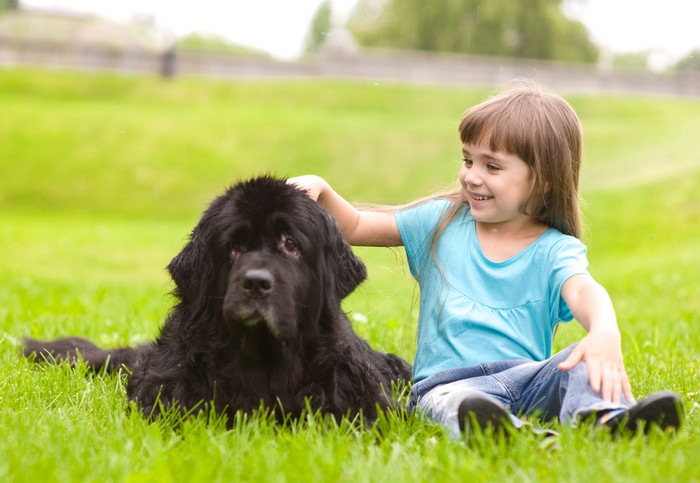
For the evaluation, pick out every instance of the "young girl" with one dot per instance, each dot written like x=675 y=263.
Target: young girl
x=499 y=264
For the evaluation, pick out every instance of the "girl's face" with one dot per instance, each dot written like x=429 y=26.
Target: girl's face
x=496 y=185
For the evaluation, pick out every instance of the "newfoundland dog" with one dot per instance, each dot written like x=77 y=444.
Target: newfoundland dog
x=258 y=320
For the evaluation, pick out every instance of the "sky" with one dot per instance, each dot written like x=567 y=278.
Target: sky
x=669 y=28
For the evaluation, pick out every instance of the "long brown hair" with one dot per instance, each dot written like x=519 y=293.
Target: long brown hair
x=543 y=130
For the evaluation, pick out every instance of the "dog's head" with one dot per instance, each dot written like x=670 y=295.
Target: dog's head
x=266 y=258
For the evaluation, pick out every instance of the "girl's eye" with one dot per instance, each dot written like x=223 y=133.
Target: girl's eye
x=493 y=167
x=468 y=162
x=289 y=245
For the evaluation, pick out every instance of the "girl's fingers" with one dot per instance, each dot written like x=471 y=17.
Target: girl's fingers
x=627 y=388
x=616 y=388
x=615 y=385
x=606 y=384
x=611 y=384
x=594 y=375
x=574 y=358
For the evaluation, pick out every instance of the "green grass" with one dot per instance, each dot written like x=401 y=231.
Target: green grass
x=102 y=177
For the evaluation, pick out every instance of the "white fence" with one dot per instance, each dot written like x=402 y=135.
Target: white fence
x=371 y=65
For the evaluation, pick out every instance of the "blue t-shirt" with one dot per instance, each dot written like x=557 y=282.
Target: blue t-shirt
x=474 y=310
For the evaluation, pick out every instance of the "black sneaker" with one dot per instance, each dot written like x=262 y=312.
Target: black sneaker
x=483 y=412
x=662 y=409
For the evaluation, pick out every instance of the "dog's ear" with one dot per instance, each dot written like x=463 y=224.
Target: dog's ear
x=194 y=269
x=348 y=268
x=185 y=269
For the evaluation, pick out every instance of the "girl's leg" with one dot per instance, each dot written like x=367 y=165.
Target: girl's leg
x=540 y=388
x=488 y=398
x=530 y=388
x=566 y=395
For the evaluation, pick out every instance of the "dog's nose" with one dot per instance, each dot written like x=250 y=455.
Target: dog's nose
x=258 y=282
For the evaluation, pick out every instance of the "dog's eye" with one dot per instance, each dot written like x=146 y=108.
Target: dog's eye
x=236 y=249
x=289 y=245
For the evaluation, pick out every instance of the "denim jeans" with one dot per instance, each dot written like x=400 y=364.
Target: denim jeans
x=523 y=387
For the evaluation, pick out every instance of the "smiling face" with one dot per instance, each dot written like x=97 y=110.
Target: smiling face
x=496 y=185
x=543 y=131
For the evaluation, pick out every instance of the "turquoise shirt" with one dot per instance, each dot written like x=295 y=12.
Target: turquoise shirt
x=474 y=310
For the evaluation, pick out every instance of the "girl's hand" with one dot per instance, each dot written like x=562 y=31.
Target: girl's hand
x=592 y=307
x=312 y=184
x=601 y=351
x=360 y=227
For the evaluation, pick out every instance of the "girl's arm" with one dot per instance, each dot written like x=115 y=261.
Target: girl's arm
x=591 y=306
x=364 y=228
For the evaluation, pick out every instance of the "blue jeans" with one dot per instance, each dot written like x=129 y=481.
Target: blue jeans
x=523 y=387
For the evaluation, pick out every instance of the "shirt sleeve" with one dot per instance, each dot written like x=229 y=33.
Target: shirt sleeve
x=417 y=226
x=568 y=259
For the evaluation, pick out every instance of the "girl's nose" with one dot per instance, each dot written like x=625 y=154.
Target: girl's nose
x=471 y=176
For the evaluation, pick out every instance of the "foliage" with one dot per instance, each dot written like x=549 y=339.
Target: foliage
x=214 y=43
x=633 y=60
x=9 y=5
x=321 y=25
x=690 y=61
x=103 y=176
x=534 y=29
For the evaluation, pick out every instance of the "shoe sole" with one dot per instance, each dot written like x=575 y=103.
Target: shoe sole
x=484 y=413
x=663 y=409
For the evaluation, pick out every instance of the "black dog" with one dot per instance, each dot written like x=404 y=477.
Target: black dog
x=258 y=320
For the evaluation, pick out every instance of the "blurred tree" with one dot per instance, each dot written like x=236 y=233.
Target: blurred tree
x=535 y=29
x=216 y=44
x=320 y=26
x=9 y=5
x=689 y=62
x=632 y=60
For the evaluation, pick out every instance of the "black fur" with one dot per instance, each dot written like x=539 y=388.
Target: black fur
x=258 y=319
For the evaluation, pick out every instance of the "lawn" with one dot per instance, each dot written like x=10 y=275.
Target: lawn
x=102 y=177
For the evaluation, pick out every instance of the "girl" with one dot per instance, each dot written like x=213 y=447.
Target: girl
x=499 y=264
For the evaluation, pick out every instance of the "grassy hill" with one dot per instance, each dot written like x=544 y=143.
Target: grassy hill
x=102 y=177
